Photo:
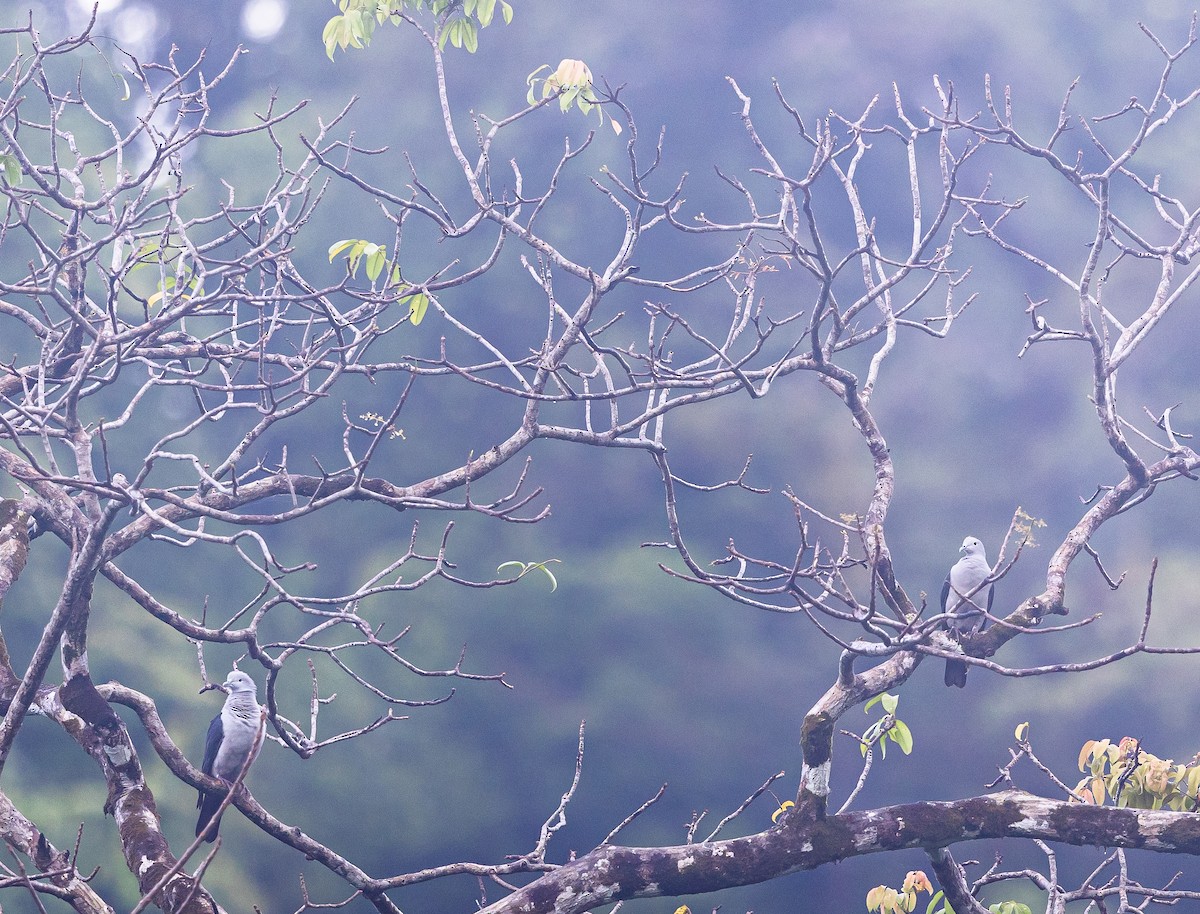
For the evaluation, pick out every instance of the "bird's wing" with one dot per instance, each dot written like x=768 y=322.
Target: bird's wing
x=212 y=743
x=945 y=592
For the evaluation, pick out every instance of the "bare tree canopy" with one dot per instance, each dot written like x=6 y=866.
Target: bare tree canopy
x=194 y=380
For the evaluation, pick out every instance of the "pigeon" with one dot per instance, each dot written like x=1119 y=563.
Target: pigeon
x=966 y=600
x=231 y=738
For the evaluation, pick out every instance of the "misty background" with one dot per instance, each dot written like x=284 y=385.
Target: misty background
x=675 y=684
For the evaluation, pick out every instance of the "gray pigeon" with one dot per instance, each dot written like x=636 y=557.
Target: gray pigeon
x=966 y=600
x=231 y=737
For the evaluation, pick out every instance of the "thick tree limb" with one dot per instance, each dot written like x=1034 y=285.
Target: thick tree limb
x=86 y=716
x=609 y=874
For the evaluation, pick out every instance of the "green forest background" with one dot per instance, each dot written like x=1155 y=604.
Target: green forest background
x=675 y=684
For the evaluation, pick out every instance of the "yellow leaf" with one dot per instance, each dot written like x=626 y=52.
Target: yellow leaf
x=875 y=897
x=1156 y=776
x=891 y=902
x=572 y=72
x=1085 y=752
x=1021 y=731
x=683 y=909
x=783 y=807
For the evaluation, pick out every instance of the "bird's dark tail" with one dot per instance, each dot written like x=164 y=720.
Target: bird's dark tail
x=208 y=804
x=956 y=674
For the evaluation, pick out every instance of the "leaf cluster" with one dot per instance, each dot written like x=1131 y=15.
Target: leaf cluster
x=903 y=900
x=459 y=20
x=888 y=727
x=1130 y=776
x=887 y=900
x=375 y=257
x=572 y=84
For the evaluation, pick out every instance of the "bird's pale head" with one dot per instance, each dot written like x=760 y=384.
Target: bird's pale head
x=237 y=681
x=971 y=546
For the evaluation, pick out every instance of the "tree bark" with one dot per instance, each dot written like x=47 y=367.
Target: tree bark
x=609 y=874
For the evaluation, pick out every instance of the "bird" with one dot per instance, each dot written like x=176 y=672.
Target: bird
x=230 y=743
x=966 y=600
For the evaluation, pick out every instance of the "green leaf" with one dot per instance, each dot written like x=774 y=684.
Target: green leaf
x=533 y=77
x=376 y=259
x=1010 y=907
x=881 y=697
x=1193 y=780
x=338 y=247
x=470 y=36
x=506 y=11
x=12 y=169
x=902 y=736
x=356 y=253
x=550 y=574
x=331 y=34
x=525 y=567
x=486 y=9
x=148 y=255
x=418 y=304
